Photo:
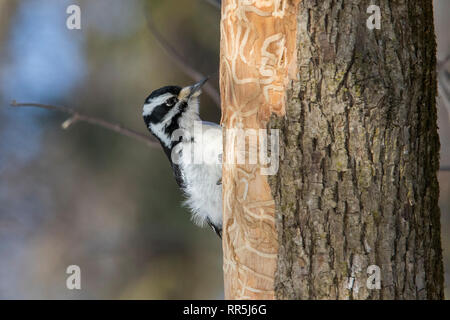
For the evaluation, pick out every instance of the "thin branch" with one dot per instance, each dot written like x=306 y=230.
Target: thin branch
x=77 y=116
x=182 y=64
x=444 y=168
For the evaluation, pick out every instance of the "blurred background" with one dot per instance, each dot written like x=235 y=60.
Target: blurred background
x=93 y=198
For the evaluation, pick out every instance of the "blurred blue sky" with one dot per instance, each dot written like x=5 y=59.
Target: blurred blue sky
x=45 y=63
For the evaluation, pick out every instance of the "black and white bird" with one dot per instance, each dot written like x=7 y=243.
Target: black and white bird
x=193 y=146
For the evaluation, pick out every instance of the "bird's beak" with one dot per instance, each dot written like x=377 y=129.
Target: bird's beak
x=192 y=91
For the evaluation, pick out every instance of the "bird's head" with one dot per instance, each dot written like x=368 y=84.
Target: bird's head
x=171 y=107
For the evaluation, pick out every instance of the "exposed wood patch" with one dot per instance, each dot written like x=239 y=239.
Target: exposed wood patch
x=258 y=46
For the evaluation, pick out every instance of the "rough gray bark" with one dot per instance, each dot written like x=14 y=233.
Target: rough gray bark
x=357 y=182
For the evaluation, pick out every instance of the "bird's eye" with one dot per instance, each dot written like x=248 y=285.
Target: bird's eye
x=170 y=102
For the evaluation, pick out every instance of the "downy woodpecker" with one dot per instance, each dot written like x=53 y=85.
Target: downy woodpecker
x=171 y=114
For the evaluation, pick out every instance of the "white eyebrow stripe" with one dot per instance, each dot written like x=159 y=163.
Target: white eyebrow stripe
x=148 y=108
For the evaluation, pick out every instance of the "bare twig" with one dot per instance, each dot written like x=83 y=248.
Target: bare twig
x=77 y=116
x=182 y=64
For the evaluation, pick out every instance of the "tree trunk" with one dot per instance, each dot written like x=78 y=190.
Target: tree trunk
x=356 y=190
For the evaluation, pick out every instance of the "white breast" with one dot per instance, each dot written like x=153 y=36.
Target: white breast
x=203 y=187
